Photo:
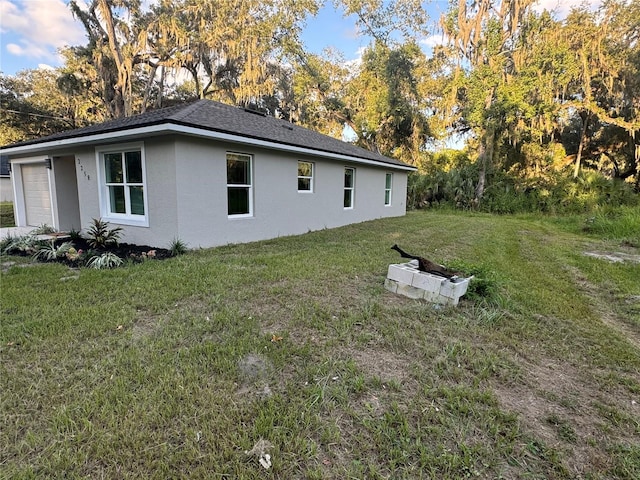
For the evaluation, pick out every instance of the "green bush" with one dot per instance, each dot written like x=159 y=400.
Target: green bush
x=24 y=244
x=455 y=188
x=508 y=193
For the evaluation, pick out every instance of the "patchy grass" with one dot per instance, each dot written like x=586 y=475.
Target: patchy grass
x=175 y=369
x=6 y=215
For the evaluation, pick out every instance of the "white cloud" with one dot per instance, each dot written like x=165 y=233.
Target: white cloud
x=39 y=27
x=562 y=7
x=433 y=40
x=27 y=50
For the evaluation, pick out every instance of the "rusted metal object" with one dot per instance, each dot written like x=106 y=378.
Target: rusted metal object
x=425 y=265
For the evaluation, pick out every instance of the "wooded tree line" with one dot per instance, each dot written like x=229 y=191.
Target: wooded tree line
x=542 y=104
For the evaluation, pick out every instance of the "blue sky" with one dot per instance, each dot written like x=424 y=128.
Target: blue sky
x=31 y=31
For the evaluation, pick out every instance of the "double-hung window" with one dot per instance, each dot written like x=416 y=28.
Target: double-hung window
x=239 y=189
x=388 y=183
x=349 y=186
x=305 y=176
x=123 y=198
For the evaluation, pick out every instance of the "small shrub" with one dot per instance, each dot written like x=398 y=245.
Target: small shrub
x=74 y=255
x=43 y=230
x=5 y=243
x=75 y=235
x=177 y=247
x=483 y=285
x=100 y=236
x=25 y=244
x=49 y=251
x=105 y=260
x=148 y=255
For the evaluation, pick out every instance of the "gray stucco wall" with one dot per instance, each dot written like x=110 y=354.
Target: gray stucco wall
x=86 y=176
x=278 y=208
x=160 y=191
x=187 y=194
x=66 y=196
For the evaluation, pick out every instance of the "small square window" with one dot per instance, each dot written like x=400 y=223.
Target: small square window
x=305 y=176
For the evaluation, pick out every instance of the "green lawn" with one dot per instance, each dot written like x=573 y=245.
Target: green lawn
x=176 y=368
x=6 y=214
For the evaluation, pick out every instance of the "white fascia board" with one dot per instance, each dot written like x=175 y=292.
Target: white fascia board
x=170 y=128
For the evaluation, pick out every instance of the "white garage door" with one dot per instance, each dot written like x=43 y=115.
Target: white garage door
x=35 y=181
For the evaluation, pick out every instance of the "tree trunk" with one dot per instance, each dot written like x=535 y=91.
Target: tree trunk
x=160 y=97
x=486 y=155
x=486 y=152
x=636 y=153
x=122 y=105
x=149 y=85
x=583 y=138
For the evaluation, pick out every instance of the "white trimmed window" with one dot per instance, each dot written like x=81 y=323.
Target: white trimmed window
x=388 y=183
x=123 y=184
x=239 y=188
x=305 y=176
x=349 y=186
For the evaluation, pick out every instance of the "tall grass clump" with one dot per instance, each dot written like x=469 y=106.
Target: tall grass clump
x=621 y=223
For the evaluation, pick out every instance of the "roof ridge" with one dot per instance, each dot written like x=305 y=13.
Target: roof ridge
x=214 y=116
x=188 y=109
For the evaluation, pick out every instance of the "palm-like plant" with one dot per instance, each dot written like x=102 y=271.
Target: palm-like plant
x=106 y=260
x=49 y=251
x=100 y=236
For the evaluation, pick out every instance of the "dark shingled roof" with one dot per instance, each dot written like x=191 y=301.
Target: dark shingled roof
x=218 y=117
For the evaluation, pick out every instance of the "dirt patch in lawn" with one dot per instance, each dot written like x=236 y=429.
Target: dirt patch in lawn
x=145 y=325
x=386 y=366
x=556 y=404
x=614 y=257
x=254 y=371
x=601 y=305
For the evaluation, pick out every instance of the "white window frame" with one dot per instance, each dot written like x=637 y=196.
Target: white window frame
x=310 y=177
x=351 y=189
x=238 y=185
x=388 y=191
x=103 y=188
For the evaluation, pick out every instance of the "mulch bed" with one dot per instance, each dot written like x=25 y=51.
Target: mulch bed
x=128 y=250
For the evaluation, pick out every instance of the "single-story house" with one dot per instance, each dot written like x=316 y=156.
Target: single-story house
x=6 y=190
x=203 y=172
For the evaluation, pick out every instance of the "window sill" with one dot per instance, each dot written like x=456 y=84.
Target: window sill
x=134 y=222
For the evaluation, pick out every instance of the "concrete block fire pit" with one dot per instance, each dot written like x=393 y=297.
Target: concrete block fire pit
x=405 y=279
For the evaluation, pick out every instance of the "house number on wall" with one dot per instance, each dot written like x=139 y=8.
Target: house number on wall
x=86 y=175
